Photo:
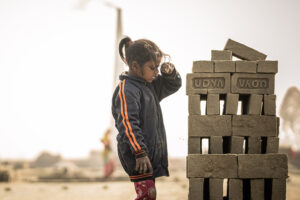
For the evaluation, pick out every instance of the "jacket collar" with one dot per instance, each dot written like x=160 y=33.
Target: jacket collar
x=125 y=75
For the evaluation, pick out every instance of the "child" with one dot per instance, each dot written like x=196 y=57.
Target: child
x=142 y=145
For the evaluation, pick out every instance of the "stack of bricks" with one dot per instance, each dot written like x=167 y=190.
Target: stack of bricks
x=242 y=160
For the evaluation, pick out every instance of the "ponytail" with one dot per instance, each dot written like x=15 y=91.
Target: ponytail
x=125 y=41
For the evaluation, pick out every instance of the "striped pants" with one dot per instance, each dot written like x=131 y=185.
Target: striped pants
x=145 y=190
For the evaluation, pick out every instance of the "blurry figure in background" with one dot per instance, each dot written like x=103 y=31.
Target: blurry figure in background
x=290 y=116
x=107 y=154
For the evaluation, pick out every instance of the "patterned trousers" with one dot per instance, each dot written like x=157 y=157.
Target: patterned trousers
x=145 y=190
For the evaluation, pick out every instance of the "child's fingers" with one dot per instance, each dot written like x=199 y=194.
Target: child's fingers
x=145 y=168
x=143 y=165
x=141 y=168
x=150 y=167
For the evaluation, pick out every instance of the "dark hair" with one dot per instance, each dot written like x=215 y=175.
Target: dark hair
x=141 y=51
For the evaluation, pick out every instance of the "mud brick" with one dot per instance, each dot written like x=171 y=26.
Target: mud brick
x=203 y=66
x=215 y=188
x=216 y=145
x=272 y=145
x=278 y=189
x=262 y=166
x=267 y=66
x=196 y=188
x=194 y=145
x=221 y=55
x=255 y=104
x=254 y=145
x=203 y=83
x=194 y=105
x=213 y=104
x=269 y=104
x=242 y=66
x=257 y=189
x=245 y=125
x=235 y=189
x=224 y=66
x=252 y=83
x=212 y=166
x=243 y=52
x=231 y=104
x=236 y=144
x=213 y=125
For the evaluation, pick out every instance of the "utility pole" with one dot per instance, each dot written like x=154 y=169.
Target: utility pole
x=118 y=69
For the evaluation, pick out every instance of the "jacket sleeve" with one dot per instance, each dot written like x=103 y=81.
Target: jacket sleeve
x=128 y=107
x=165 y=85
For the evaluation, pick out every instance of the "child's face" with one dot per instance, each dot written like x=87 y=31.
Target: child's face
x=150 y=70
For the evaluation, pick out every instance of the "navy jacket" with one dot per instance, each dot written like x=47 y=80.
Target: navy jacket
x=138 y=118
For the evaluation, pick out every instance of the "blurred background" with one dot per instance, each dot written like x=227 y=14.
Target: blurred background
x=58 y=68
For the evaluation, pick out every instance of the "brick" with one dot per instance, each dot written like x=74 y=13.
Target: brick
x=278 y=189
x=215 y=188
x=269 y=107
x=246 y=125
x=231 y=104
x=252 y=83
x=242 y=66
x=257 y=189
x=213 y=104
x=235 y=189
x=203 y=83
x=194 y=105
x=267 y=66
x=194 y=145
x=216 y=145
x=243 y=52
x=203 y=66
x=224 y=66
x=272 y=145
x=236 y=144
x=262 y=166
x=210 y=125
x=221 y=55
x=254 y=106
x=212 y=166
x=254 y=145
x=196 y=188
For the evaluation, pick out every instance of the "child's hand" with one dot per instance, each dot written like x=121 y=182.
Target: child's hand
x=143 y=164
x=167 y=68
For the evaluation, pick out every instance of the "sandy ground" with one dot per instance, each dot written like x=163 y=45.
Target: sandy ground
x=171 y=188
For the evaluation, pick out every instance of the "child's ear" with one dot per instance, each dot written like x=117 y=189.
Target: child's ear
x=135 y=66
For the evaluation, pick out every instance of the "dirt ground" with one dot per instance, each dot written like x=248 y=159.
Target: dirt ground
x=174 y=187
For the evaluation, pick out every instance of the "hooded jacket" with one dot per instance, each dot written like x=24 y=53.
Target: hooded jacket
x=138 y=118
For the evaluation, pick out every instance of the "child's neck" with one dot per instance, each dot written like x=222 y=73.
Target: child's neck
x=133 y=73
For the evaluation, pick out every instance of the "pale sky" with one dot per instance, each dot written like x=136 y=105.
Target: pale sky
x=56 y=62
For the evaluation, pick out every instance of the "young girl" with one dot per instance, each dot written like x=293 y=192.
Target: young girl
x=142 y=145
